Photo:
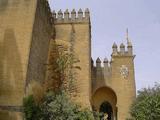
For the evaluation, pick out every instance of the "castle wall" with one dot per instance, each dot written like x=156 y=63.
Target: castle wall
x=16 y=18
x=25 y=33
x=76 y=32
x=119 y=76
x=124 y=87
x=104 y=94
x=41 y=36
x=19 y=21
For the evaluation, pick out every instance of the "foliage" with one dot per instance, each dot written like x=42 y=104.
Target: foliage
x=55 y=106
x=62 y=68
x=54 y=75
x=31 y=110
x=147 y=104
x=67 y=65
x=36 y=89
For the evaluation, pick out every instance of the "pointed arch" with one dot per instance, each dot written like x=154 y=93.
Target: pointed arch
x=104 y=99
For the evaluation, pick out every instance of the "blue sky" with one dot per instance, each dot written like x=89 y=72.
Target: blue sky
x=110 y=18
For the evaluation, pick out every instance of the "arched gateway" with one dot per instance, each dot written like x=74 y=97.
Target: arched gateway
x=104 y=100
x=106 y=110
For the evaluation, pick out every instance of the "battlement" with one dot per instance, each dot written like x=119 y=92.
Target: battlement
x=101 y=70
x=101 y=64
x=72 y=17
x=122 y=50
x=101 y=73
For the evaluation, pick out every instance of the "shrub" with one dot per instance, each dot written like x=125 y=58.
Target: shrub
x=31 y=109
x=55 y=106
x=147 y=104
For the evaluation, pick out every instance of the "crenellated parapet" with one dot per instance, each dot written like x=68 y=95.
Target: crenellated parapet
x=102 y=69
x=102 y=63
x=101 y=73
x=72 y=17
x=122 y=50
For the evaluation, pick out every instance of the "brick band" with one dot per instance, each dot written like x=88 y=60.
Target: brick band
x=12 y=108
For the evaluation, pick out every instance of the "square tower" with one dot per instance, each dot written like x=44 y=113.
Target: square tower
x=113 y=84
x=73 y=29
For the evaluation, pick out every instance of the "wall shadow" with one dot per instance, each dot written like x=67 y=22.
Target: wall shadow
x=10 y=66
x=3 y=5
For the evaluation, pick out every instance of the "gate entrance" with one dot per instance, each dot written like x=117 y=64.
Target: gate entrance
x=106 y=110
x=104 y=100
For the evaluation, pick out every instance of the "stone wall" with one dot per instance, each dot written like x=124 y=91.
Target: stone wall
x=124 y=87
x=75 y=32
x=25 y=32
x=41 y=36
x=16 y=18
x=117 y=75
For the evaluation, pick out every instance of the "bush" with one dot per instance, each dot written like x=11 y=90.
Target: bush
x=55 y=103
x=55 y=106
x=147 y=104
x=31 y=110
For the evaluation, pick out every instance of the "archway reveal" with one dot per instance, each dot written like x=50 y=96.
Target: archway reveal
x=104 y=100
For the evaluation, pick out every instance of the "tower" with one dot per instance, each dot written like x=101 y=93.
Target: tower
x=25 y=33
x=113 y=84
x=25 y=42
x=73 y=29
x=123 y=79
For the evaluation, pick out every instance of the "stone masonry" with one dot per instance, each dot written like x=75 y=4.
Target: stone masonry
x=25 y=33
x=114 y=82
x=74 y=29
x=28 y=29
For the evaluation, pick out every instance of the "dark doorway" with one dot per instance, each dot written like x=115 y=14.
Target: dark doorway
x=106 y=108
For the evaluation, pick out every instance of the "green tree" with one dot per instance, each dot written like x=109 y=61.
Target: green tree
x=31 y=109
x=55 y=106
x=147 y=104
x=58 y=106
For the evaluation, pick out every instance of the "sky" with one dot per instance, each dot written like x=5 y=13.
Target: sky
x=109 y=21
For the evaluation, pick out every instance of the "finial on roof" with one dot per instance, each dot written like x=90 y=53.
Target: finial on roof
x=127 y=38
x=122 y=48
x=66 y=12
x=66 y=15
x=86 y=10
x=80 y=14
x=114 y=48
x=129 y=44
x=73 y=15
x=80 y=11
x=54 y=14
x=73 y=11
x=98 y=60
x=105 y=60
x=60 y=15
x=87 y=14
x=60 y=12
x=122 y=45
x=114 y=45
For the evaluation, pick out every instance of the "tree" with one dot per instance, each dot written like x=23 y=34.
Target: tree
x=31 y=109
x=58 y=106
x=55 y=104
x=147 y=104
